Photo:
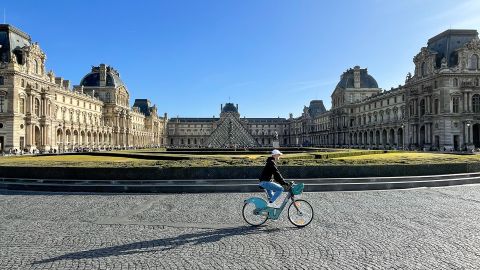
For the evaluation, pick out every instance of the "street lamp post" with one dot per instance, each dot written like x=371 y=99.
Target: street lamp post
x=468 y=134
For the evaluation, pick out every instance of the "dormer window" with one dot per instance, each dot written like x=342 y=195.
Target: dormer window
x=474 y=62
x=36 y=66
x=423 y=69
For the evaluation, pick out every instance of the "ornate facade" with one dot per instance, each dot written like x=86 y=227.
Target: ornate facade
x=41 y=112
x=227 y=131
x=438 y=108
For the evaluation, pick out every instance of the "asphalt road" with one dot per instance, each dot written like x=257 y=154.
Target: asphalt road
x=428 y=228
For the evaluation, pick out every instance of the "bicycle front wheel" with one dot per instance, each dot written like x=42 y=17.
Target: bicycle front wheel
x=300 y=213
x=251 y=215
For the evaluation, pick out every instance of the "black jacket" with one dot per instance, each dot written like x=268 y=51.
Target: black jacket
x=271 y=169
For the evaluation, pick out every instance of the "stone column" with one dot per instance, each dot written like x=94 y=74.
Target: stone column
x=468 y=103
x=469 y=134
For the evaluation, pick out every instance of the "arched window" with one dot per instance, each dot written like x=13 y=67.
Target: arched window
x=37 y=107
x=455 y=103
x=423 y=69
x=36 y=66
x=474 y=62
x=422 y=107
x=476 y=103
x=436 y=106
x=455 y=82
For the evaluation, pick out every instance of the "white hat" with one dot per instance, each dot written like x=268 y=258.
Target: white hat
x=276 y=152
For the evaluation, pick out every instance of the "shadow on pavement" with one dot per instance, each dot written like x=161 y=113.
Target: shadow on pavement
x=165 y=244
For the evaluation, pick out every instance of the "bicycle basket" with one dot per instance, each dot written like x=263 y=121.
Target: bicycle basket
x=297 y=189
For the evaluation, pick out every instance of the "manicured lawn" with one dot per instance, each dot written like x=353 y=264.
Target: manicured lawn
x=408 y=158
x=298 y=159
x=74 y=161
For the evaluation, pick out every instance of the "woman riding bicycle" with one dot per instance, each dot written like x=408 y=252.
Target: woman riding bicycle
x=274 y=189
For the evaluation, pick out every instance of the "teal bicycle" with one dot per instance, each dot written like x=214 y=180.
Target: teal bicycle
x=300 y=212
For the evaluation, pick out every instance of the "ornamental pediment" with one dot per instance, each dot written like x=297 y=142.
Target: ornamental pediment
x=423 y=54
x=473 y=45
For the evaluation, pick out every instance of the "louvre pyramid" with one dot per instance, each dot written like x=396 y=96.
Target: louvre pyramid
x=230 y=133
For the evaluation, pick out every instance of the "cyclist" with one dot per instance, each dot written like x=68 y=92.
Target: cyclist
x=274 y=189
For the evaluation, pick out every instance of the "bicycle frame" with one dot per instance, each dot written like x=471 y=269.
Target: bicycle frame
x=273 y=213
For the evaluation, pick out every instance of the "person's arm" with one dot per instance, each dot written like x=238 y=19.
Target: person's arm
x=277 y=175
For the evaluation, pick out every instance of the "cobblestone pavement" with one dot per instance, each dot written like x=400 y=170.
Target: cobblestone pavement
x=400 y=229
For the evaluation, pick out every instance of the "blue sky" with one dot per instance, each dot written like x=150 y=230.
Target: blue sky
x=270 y=56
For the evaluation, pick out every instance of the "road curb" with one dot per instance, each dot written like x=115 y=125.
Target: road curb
x=234 y=185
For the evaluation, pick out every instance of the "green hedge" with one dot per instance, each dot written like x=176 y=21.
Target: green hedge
x=235 y=172
x=350 y=154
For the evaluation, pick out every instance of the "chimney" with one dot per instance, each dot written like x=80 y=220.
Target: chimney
x=59 y=81
x=356 y=77
x=221 y=107
x=66 y=84
x=237 y=107
x=103 y=75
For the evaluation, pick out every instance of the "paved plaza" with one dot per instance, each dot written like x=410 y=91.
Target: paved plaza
x=428 y=228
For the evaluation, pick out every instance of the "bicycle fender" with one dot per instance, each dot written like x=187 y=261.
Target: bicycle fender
x=259 y=202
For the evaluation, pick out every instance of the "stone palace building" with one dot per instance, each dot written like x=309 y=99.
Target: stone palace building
x=437 y=108
x=42 y=112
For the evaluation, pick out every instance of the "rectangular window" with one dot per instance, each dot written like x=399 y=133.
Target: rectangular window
x=436 y=106
x=2 y=102
x=22 y=105
x=2 y=80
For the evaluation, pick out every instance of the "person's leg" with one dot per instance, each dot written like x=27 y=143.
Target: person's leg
x=264 y=185
x=276 y=188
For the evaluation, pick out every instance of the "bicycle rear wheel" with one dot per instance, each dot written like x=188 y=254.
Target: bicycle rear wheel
x=302 y=214
x=251 y=215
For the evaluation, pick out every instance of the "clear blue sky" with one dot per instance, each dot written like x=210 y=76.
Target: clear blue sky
x=270 y=56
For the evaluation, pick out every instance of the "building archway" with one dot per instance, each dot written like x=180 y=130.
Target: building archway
x=476 y=135
x=59 y=136
x=422 y=136
x=384 y=138
x=68 y=138
x=38 y=140
x=82 y=136
x=400 y=137
x=75 y=138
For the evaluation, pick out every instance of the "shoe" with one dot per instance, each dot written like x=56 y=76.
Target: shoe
x=271 y=205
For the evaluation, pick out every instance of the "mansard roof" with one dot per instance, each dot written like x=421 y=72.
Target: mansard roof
x=366 y=80
x=448 y=42
x=93 y=78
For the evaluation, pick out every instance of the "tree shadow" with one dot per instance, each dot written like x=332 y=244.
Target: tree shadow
x=165 y=244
